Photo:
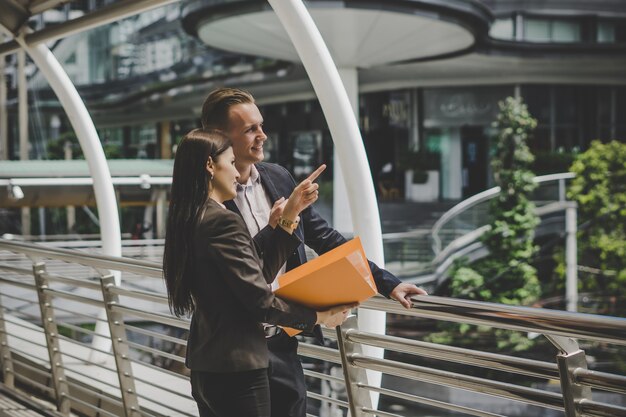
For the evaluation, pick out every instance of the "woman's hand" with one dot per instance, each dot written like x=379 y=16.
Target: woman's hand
x=277 y=211
x=334 y=316
x=303 y=195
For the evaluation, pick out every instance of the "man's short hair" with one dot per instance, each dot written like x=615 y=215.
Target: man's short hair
x=216 y=106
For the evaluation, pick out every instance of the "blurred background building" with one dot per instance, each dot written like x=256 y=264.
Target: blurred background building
x=425 y=120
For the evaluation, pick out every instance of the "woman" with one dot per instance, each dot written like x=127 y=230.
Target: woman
x=213 y=270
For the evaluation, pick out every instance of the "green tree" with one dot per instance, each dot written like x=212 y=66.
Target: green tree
x=600 y=191
x=56 y=148
x=506 y=276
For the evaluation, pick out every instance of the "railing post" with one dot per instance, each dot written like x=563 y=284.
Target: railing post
x=562 y=190
x=358 y=398
x=6 y=361
x=570 y=360
x=52 y=340
x=120 y=348
x=571 y=257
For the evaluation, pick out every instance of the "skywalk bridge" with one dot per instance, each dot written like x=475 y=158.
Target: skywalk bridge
x=48 y=353
x=130 y=363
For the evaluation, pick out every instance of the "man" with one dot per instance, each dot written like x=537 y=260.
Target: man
x=261 y=192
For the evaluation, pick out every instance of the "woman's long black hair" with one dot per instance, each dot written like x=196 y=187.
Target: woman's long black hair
x=189 y=194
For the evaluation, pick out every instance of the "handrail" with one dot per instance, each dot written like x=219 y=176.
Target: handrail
x=481 y=197
x=145 y=268
x=527 y=319
x=558 y=327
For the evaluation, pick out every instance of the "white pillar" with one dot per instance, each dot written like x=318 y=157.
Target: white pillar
x=22 y=128
x=96 y=161
x=70 y=211
x=349 y=147
x=22 y=105
x=571 y=258
x=161 y=209
x=342 y=219
x=4 y=130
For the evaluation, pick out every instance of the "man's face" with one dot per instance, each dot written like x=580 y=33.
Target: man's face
x=245 y=129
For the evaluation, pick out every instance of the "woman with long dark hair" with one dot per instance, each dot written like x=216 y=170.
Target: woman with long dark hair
x=216 y=272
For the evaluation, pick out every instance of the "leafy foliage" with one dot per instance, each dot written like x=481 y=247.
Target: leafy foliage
x=506 y=275
x=600 y=191
x=56 y=147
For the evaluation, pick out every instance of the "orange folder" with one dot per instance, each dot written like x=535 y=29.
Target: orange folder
x=340 y=276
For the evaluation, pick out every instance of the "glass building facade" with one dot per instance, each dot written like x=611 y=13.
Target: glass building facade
x=144 y=78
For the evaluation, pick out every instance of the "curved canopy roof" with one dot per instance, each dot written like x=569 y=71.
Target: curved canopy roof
x=358 y=33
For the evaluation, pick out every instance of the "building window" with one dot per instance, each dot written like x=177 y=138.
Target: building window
x=551 y=30
x=606 y=32
x=502 y=29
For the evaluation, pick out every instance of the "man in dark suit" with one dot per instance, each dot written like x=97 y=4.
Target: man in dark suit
x=260 y=195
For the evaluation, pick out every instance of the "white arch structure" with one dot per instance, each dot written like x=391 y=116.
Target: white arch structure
x=349 y=147
x=328 y=87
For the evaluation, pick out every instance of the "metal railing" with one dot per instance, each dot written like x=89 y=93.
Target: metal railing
x=473 y=213
x=47 y=341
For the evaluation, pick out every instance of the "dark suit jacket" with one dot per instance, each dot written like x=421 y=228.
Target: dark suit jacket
x=231 y=294
x=313 y=230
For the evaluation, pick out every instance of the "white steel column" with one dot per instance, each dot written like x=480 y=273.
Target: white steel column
x=22 y=105
x=571 y=258
x=349 y=147
x=94 y=155
x=4 y=130
x=342 y=219
x=22 y=128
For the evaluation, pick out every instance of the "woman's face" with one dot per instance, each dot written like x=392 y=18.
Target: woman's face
x=224 y=184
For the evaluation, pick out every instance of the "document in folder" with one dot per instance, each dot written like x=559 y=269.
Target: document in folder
x=340 y=276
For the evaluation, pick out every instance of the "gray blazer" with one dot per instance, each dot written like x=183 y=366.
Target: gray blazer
x=231 y=294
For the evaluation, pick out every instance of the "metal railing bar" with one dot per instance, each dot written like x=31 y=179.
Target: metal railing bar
x=329 y=333
x=601 y=380
x=156 y=317
x=169 y=407
x=70 y=296
x=484 y=196
x=595 y=409
x=324 y=398
x=35 y=319
x=87 y=362
x=82 y=283
x=526 y=319
x=15 y=297
x=455 y=380
x=71 y=371
x=326 y=377
x=319 y=352
x=144 y=348
x=46 y=373
x=9 y=281
x=458 y=355
x=160 y=387
x=145 y=268
x=77 y=328
x=144 y=295
x=145 y=413
x=428 y=401
x=88 y=346
x=29 y=341
x=79 y=386
x=17 y=270
x=24 y=300
x=87 y=316
x=35 y=384
x=370 y=411
x=99 y=410
x=158 y=368
x=156 y=335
